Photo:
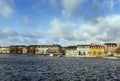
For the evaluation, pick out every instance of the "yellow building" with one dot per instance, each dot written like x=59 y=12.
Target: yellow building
x=5 y=50
x=92 y=51
x=97 y=51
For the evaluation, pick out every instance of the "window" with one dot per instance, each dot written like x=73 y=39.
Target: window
x=79 y=53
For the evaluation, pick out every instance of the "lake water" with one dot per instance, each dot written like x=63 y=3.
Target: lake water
x=38 y=68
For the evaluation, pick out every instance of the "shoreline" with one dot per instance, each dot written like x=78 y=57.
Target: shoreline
x=106 y=57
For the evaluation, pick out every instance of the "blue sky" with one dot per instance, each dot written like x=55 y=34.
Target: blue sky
x=65 y=22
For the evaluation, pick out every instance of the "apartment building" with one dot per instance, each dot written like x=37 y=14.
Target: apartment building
x=71 y=51
x=13 y=49
x=56 y=50
x=5 y=50
x=83 y=50
x=97 y=51
x=43 y=49
x=31 y=49
x=110 y=48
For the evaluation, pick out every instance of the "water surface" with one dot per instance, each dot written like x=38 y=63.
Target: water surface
x=39 y=68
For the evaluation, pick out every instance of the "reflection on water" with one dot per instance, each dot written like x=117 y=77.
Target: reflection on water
x=37 y=68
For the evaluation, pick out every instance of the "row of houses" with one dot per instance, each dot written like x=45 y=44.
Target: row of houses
x=92 y=50
x=32 y=49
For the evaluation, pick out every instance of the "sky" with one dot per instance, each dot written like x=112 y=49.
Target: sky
x=64 y=22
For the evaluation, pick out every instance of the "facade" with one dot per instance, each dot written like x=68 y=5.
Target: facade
x=31 y=49
x=0 y=50
x=117 y=51
x=71 y=51
x=83 y=50
x=5 y=50
x=25 y=50
x=110 y=48
x=13 y=49
x=20 y=49
x=97 y=51
x=63 y=51
x=56 y=50
x=43 y=49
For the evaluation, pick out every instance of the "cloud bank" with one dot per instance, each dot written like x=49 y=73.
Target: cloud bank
x=106 y=30
x=78 y=21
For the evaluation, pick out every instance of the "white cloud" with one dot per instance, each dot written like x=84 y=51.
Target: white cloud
x=28 y=22
x=59 y=30
x=90 y=10
x=9 y=36
x=29 y=41
x=12 y=37
x=106 y=30
x=6 y=8
x=7 y=32
x=67 y=33
x=71 y=7
x=35 y=34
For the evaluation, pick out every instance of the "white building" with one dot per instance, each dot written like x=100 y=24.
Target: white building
x=5 y=50
x=42 y=50
x=24 y=50
x=83 y=50
x=71 y=51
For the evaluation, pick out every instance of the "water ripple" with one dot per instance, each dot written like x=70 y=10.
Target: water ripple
x=36 y=68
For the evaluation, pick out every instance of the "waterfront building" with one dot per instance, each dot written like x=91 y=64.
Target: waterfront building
x=63 y=51
x=83 y=50
x=43 y=49
x=31 y=49
x=56 y=50
x=13 y=49
x=25 y=50
x=0 y=50
x=20 y=49
x=110 y=48
x=71 y=51
x=97 y=51
x=5 y=50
